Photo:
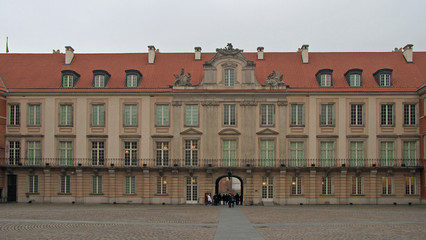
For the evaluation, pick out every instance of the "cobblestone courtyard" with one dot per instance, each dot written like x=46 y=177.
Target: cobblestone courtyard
x=66 y=221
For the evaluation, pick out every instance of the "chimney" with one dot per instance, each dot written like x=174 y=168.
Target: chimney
x=305 y=54
x=69 y=54
x=151 y=54
x=197 y=53
x=408 y=53
x=260 y=53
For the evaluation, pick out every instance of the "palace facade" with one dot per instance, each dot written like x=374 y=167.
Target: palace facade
x=153 y=128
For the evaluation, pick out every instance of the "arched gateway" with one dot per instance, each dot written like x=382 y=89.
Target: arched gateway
x=230 y=179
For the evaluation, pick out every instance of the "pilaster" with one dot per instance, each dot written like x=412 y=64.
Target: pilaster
x=373 y=186
x=282 y=187
x=343 y=191
x=248 y=188
x=112 y=185
x=312 y=186
x=146 y=199
x=47 y=185
x=79 y=185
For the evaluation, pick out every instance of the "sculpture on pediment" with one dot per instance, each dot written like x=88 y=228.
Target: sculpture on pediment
x=182 y=79
x=228 y=50
x=275 y=79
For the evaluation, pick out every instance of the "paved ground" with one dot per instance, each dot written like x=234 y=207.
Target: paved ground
x=66 y=221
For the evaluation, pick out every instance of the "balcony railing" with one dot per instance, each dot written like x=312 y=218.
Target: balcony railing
x=203 y=163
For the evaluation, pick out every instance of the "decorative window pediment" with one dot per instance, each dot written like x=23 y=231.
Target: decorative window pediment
x=384 y=77
x=267 y=132
x=133 y=78
x=354 y=77
x=69 y=79
x=229 y=131
x=100 y=78
x=325 y=77
x=191 y=131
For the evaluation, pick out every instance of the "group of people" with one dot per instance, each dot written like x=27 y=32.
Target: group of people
x=225 y=199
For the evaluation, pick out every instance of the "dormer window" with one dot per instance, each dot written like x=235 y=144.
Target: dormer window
x=133 y=78
x=229 y=77
x=383 y=77
x=69 y=79
x=354 y=77
x=100 y=78
x=99 y=81
x=324 y=77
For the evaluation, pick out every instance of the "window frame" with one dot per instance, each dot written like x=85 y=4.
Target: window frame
x=33 y=152
x=97 y=80
x=34 y=115
x=162 y=153
x=229 y=115
x=130 y=185
x=379 y=75
x=325 y=78
x=97 y=115
x=229 y=152
x=355 y=117
x=138 y=79
x=327 y=185
x=410 y=185
x=130 y=152
x=410 y=118
x=385 y=159
x=267 y=189
x=161 y=185
x=14 y=115
x=297 y=161
x=387 y=185
x=359 y=153
x=357 y=185
x=349 y=75
x=97 y=152
x=229 y=76
x=68 y=119
x=64 y=151
x=33 y=184
x=266 y=149
x=192 y=116
x=267 y=115
x=296 y=185
x=191 y=152
x=14 y=152
x=325 y=119
x=162 y=115
x=97 y=185
x=69 y=83
x=387 y=114
x=297 y=115
x=64 y=184
x=131 y=115
x=327 y=160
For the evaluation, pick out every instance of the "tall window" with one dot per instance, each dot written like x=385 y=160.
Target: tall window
x=68 y=81
x=297 y=154
x=357 y=115
x=267 y=112
x=356 y=153
x=387 y=185
x=34 y=115
x=130 y=114
x=191 y=115
x=99 y=81
x=229 y=77
x=162 y=154
x=130 y=186
x=97 y=184
x=191 y=189
x=229 y=114
x=410 y=185
x=162 y=115
x=34 y=152
x=296 y=185
x=130 y=153
x=385 y=80
x=409 y=153
x=65 y=153
x=297 y=115
x=325 y=80
x=229 y=152
x=327 y=153
x=132 y=80
x=161 y=185
x=267 y=187
x=387 y=153
x=267 y=152
x=327 y=114
x=65 y=115
x=65 y=187
x=327 y=185
x=191 y=152
x=410 y=114
x=355 y=80
x=33 y=184
x=386 y=114
x=14 y=152
x=357 y=185
x=98 y=115
x=98 y=153
x=14 y=115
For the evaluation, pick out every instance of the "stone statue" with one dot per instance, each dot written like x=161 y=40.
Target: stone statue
x=275 y=79
x=182 y=79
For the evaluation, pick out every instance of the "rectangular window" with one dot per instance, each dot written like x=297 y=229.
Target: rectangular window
x=267 y=112
x=267 y=187
x=410 y=114
x=326 y=185
x=98 y=115
x=357 y=185
x=34 y=115
x=229 y=115
x=297 y=115
x=130 y=114
x=65 y=115
x=99 y=81
x=297 y=154
x=162 y=115
x=14 y=115
x=191 y=115
x=68 y=81
x=385 y=80
x=296 y=185
x=387 y=153
x=356 y=153
x=34 y=152
x=191 y=189
x=14 y=152
x=33 y=184
x=267 y=153
x=325 y=80
x=386 y=115
x=161 y=185
x=98 y=153
x=387 y=185
x=327 y=114
x=65 y=187
x=357 y=115
x=65 y=153
x=229 y=77
x=191 y=152
x=97 y=184
x=162 y=154
x=130 y=153
x=130 y=187
x=409 y=153
x=132 y=80
x=229 y=152
x=410 y=185
x=327 y=153
x=355 y=80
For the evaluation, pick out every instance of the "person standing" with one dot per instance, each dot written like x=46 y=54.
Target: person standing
x=237 y=198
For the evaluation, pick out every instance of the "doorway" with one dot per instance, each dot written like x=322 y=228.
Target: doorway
x=230 y=185
x=11 y=188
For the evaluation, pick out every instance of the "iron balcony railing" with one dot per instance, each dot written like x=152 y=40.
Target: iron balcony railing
x=202 y=163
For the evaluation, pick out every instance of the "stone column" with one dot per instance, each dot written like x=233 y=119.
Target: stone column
x=47 y=186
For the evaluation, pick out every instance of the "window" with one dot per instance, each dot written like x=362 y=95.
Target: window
x=327 y=114
x=130 y=187
x=161 y=185
x=65 y=115
x=267 y=153
x=65 y=184
x=297 y=154
x=67 y=81
x=34 y=152
x=229 y=115
x=229 y=152
x=357 y=185
x=98 y=153
x=297 y=115
x=34 y=115
x=383 y=77
x=133 y=78
x=267 y=187
x=191 y=152
x=33 y=184
x=355 y=80
x=191 y=115
x=14 y=152
x=130 y=153
x=410 y=185
x=191 y=189
x=296 y=185
x=96 y=184
x=267 y=112
x=100 y=78
x=387 y=152
x=356 y=153
x=385 y=80
x=162 y=115
x=65 y=153
x=326 y=185
x=387 y=185
x=357 y=115
x=99 y=81
x=14 y=115
x=130 y=115
x=386 y=114
x=325 y=80
x=98 y=115
x=409 y=153
x=229 y=77
x=327 y=153
x=410 y=114
x=162 y=154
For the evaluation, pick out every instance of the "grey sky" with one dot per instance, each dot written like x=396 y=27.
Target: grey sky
x=107 y=26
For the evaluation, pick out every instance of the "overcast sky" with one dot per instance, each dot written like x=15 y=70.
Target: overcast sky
x=107 y=26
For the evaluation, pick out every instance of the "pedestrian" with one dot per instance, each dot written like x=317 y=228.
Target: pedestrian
x=237 y=198
x=209 y=199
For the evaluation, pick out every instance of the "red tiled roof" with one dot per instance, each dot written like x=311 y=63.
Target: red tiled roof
x=42 y=72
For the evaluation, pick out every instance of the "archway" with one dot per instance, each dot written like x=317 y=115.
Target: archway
x=230 y=184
